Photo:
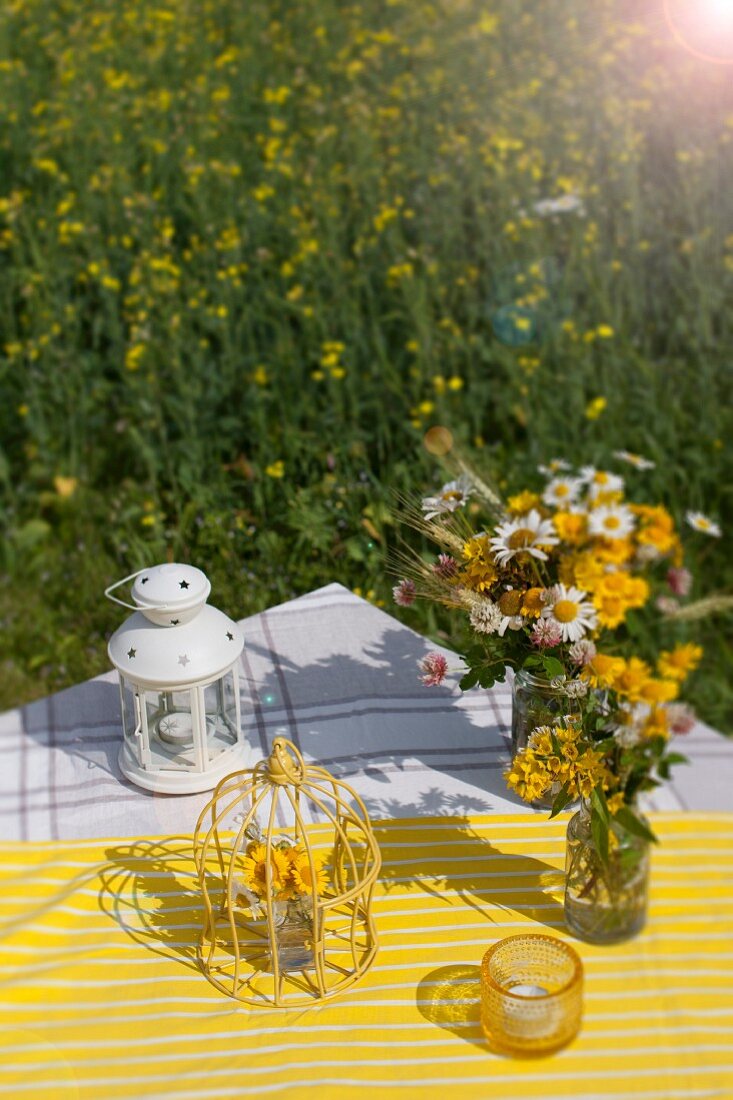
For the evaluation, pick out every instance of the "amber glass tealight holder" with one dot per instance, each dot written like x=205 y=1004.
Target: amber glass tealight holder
x=531 y=994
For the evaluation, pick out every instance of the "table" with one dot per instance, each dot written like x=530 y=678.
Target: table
x=99 y=914
x=337 y=676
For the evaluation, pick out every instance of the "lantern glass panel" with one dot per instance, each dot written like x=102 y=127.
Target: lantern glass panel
x=220 y=706
x=130 y=717
x=171 y=729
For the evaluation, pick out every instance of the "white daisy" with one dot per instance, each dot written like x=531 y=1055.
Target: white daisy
x=569 y=610
x=554 y=466
x=699 y=522
x=562 y=491
x=524 y=535
x=563 y=204
x=601 y=481
x=454 y=494
x=614 y=521
x=510 y=622
x=635 y=460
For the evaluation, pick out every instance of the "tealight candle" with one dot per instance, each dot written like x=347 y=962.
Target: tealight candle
x=531 y=994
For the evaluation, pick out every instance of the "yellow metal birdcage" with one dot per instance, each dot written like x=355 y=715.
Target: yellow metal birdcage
x=287 y=905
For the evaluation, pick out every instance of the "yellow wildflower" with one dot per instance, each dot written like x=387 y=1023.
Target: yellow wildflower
x=65 y=486
x=631 y=678
x=658 y=691
x=678 y=663
x=656 y=528
x=523 y=502
x=617 y=593
x=255 y=869
x=532 y=602
x=602 y=670
x=615 y=802
x=571 y=527
x=300 y=870
x=479 y=573
x=613 y=551
x=583 y=570
x=595 y=407
x=276 y=469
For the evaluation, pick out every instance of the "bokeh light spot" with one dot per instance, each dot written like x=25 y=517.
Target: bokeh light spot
x=438 y=440
x=514 y=325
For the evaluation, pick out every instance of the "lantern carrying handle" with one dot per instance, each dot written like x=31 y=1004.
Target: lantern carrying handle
x=133 y=606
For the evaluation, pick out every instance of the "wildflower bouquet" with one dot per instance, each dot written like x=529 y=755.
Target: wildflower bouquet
x=554 y=582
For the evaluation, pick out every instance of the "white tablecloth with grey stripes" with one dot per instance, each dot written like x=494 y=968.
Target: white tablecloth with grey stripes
x=340 y=678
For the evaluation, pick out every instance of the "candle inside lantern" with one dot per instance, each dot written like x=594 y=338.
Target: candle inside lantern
x=531 y=994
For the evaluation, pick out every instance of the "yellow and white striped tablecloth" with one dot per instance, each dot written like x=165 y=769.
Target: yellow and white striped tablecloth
x=101 y=995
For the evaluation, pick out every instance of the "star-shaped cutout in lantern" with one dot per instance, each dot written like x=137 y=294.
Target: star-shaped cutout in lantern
x=175 y=622
x=183 y=584
x=230 y=636
x=131 y=652
x=183 y=660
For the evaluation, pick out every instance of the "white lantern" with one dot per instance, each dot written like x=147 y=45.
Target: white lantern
x=177 y=661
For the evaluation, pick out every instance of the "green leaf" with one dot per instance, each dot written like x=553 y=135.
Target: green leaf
x=598 y=801
x=561 y=800
x=469 y=680
x=675 y=758
x=599 y=830
x=631 y=823
x=552 y=666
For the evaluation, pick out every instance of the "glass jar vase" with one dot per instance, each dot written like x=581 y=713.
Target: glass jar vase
x=537 y=702
x=604 y=903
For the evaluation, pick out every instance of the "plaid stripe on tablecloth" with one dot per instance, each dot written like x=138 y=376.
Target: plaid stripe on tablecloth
x=102 y=995
x=338 y=677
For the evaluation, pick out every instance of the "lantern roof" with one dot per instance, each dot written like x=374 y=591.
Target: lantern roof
x=177 y=654
x=167 y=593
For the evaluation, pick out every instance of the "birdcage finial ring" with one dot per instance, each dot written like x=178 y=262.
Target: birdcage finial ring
x=281 y=768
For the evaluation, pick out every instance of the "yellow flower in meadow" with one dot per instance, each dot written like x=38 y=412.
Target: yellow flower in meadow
x=595 y=407
x=570 y=526
x=65 y=486
x=133 y=355
x=397 y=273
x=678 y=663
x=276 y=469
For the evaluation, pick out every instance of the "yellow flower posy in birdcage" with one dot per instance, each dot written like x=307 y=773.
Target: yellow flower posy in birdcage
x=287 y=918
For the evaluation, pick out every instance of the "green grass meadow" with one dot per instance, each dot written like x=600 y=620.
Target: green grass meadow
x=251 y=252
